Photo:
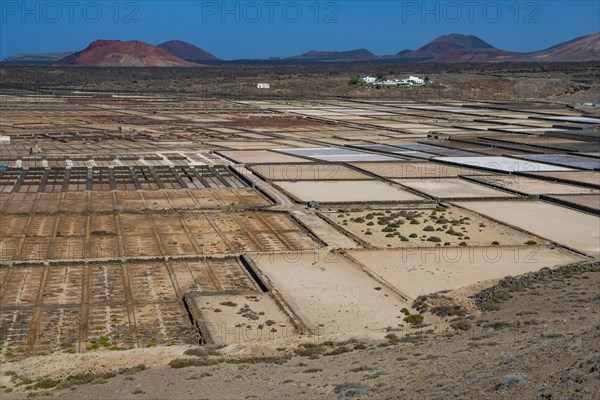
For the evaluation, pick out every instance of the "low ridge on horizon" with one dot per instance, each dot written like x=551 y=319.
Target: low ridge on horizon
x=357 y=54
x=187 y=51
x=450 y=48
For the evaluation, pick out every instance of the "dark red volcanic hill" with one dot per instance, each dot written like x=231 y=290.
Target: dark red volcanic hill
x=314 y=55
x=444 y=44
x=585 y=48
x=187 y=51
x=115 y=53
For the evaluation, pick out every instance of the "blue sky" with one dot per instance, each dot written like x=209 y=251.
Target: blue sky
x=261 y=29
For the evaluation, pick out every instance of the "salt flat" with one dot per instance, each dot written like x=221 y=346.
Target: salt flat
x=571 y=228
x=419 y=271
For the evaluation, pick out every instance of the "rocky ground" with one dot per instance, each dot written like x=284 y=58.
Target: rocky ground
x=565 y=83
x=533 y=337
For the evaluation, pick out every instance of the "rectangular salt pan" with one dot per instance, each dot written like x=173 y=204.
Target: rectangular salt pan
x=567 y=160
x=587 y=120
x=335 y=154
x=505 y=164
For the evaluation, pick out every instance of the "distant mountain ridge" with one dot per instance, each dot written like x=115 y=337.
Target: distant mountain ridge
x=41 y=58
x=584 y=48
x=358 y=54
x=187 y=51
x=451 y=48
x=457 y=48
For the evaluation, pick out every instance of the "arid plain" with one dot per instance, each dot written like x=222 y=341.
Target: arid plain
x=322 y=246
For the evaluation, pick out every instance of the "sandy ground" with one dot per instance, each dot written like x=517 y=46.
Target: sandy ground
x=60 y=366
x=242 y=318
x=581 y=232
x=519 y=351
x=559 y=318
x=346 y=191
x=410 y=170
x=591 y=201
x=503 y=164
x=590 y=177
x=526 y=185
x=411 y=227
x=417 y=272
x=453 y=188
x=329 y=292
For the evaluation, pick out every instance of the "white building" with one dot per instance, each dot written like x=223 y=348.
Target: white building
x=385 y=83
x=412 y=81
x=4 y=139
x=369 y=79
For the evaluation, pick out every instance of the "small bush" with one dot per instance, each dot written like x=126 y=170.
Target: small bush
x=337 y=351
x=46 y=384
x=552 y=335
x=197 y=351
x=82 y=379
x=461 y=325
x=355 y=80
x=392 y=338
x=414 y=319
x=490 y=307
x=312 y=370
x=499 y=325
x=576 y=376
x=375 y=375
x=349 y=390
x=419 y=304
x=256 y=360
x=448 y=311
x=191 y=362
x=362 y=368
x=592 y=359
x=510 y=380
x=310 y=350
x=132 y=370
